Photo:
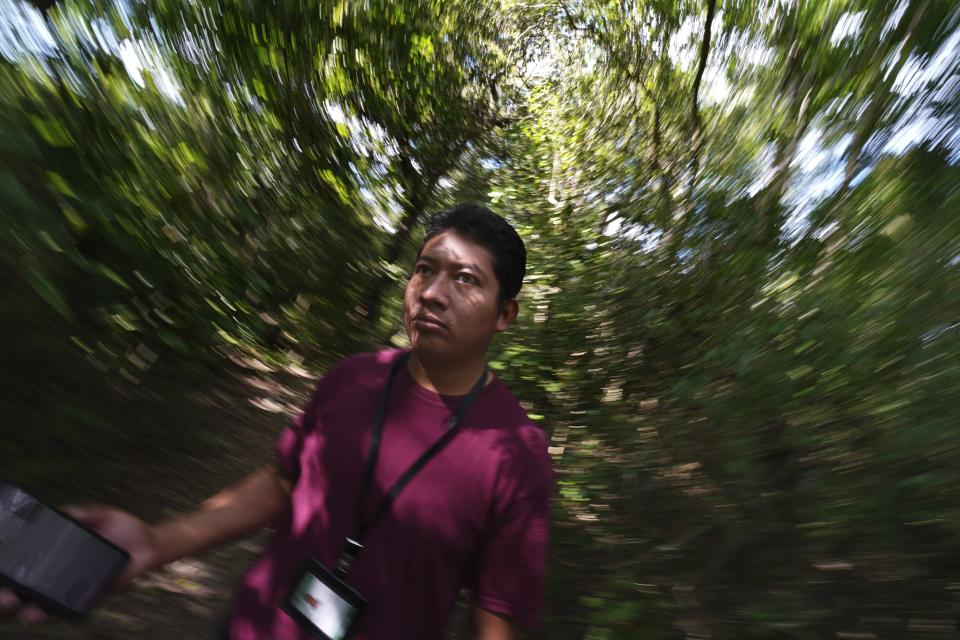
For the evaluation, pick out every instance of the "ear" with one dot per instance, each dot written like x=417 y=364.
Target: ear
x=507 y=314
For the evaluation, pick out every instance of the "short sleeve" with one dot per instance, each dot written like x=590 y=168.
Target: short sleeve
x=508 y=574
x=290 y=443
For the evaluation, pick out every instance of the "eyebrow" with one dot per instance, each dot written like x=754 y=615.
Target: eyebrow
x=473 y=266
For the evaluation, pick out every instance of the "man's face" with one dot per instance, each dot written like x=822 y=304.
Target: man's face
x=451 y=307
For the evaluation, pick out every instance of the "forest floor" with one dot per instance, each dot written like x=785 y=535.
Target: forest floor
x=243 y=412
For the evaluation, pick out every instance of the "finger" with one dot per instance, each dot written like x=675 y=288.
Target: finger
x=31 y=614
x=91 y=515
x=8 y=601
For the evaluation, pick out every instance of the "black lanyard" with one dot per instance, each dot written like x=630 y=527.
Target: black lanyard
x=353 y=544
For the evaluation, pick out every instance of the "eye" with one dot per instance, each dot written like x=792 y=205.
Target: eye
x=466 y=277
x=422 y=269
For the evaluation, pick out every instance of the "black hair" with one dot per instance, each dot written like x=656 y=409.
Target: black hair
x=492 y=232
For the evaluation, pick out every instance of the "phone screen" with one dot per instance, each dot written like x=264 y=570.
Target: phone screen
x=53 y=557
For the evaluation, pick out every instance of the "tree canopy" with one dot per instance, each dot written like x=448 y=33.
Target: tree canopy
x=739 y=326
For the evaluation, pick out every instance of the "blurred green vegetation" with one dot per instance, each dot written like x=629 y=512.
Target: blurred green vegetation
x=740 y=323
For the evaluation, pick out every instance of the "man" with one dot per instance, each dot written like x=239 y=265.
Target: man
x=361 y=505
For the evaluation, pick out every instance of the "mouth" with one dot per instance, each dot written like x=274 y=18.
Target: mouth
x=429 y=323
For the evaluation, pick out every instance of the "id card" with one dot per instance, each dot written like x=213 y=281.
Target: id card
x=323 y=604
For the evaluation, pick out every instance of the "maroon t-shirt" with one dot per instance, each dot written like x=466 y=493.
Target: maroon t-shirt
x=476 y=515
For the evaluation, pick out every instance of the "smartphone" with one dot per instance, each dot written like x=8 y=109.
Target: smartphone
x=49 y=558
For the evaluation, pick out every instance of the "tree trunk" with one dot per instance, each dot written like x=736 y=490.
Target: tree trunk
x=695 y=106
x=369 y=309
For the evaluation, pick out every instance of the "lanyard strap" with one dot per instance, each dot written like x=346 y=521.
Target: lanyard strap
x=354 y=544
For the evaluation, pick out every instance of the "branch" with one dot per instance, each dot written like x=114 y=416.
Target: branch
x=601 y=38
x=43 y=6
x=695 y=107
x=704 y=54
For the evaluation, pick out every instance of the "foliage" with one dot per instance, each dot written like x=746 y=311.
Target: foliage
x=739 y=323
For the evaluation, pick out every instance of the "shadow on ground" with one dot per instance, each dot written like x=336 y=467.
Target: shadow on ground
x=239 y=415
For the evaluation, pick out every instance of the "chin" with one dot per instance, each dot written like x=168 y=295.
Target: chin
x=428 y=344
x=427 y=348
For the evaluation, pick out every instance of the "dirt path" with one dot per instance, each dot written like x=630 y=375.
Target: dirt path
x=242 y=414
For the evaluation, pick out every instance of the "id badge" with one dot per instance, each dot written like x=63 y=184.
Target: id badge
x=323 y=604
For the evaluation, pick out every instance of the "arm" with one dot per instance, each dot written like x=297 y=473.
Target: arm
x=237 y=510
x=491 y=626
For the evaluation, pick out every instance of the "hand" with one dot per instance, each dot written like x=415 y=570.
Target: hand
x=122 y=529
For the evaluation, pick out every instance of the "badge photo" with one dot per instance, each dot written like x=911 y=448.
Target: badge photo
x=323 y=604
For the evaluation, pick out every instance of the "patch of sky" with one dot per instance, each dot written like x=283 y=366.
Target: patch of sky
x=104 y=34
x=613 y=227
x=646 y=237
x=818 y=173
x=895 y=16
x=920 y=84
x=138 y=57
x=923 y=84
x=683 y=50
x=919 y=73
x=387 y=219
x=23 y=33
x=849 y=25
x=367 y=138
x=766 y=169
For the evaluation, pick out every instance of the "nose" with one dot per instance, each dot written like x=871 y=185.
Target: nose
x=435 y=292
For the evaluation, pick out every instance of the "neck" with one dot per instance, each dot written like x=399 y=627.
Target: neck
x=447 y=378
